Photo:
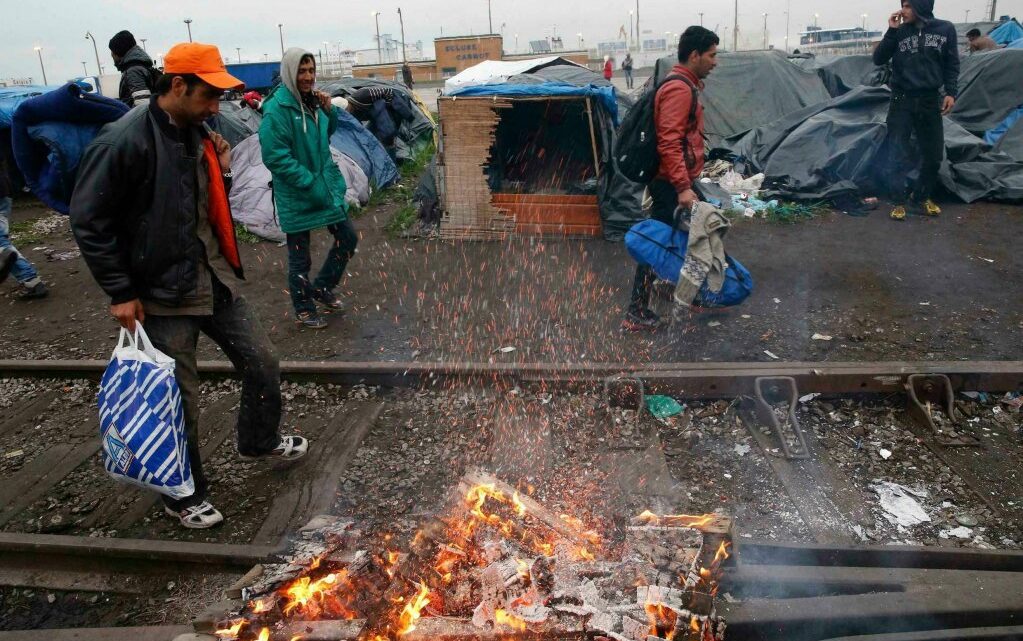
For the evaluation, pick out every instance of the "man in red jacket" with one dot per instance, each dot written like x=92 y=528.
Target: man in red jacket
x=680 y=146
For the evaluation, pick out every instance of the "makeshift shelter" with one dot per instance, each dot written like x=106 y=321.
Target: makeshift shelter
x=1006 y=33
x=842 y=74
x=532 y=155
x=413 y=135
x=501 y=71
x=990 y=88
x=236 y=122
x=356 y=141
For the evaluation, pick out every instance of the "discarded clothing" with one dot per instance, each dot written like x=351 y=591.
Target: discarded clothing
x=705 y=254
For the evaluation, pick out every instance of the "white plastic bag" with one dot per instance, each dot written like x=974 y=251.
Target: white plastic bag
x=142 y=425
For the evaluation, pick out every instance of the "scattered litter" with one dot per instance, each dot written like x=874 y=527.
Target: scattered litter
x=728 y=476
x=662 y=407
x=986 y=260
x=1013 y=400
x=735 y=183
x=959 y=533
x=772 y=355
x=14 y=453
x=713 y=324
x=742 y=450
x=967 y=519
x=927 y=304
x=972 y=395
x=885 y=454
x=53 y=254
x=899 y=505
x=777 y=301
x=503 y=350
x=749 y=213
x=821 y=337
x=747 y=316
x=809 y=397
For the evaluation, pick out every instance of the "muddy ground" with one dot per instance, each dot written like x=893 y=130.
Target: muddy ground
x=925 y=289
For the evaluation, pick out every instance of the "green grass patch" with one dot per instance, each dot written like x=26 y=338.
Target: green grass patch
x=246 y=236
x=789 y=213
x=24 y=232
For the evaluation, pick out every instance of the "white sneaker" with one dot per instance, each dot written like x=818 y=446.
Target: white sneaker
x=197 y=517
x=291 y=448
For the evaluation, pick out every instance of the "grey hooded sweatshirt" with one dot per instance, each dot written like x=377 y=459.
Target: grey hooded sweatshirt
x=289 y=78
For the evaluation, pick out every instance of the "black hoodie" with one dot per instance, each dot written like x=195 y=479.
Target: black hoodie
x=138 y=77
x=924 y=55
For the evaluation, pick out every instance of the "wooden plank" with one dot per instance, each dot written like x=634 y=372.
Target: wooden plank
x=139 y=549
x=148 y=633
x=35 y=480
x=217 y=417
x=593 y=136
x=542 y=199
x=62 y=581
x=309 y=495
x=27 y=412
x=582 y=231
x=587 y=215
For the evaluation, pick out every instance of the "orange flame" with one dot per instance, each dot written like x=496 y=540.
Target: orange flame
x=675 y=520
x=305 y=591
x=503 y=618
x=264 y=635
x=413 y=609
x=520 y=508
x=259 y=606
x=523 y=568
x=232 y=632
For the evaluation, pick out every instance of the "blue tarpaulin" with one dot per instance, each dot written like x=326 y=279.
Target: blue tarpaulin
x=1015 y=45
x=354 y=140
x=49 y=134
x=11 y=97
x=993 y=135
x=605 y=95
x=1007 y=32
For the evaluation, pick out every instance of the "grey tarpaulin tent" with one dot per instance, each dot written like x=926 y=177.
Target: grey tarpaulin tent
x=990 y=88
x=842 y=74
x=751 y=88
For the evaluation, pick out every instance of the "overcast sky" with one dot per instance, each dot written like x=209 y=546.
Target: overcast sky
x=59 y=26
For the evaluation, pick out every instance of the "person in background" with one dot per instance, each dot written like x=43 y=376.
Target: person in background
x=979 y=42
x=680 y=147
x=308 y=188
x=11 y=260
x=138 y=75
x=151 y=214
x=609 y=68
x=627 y=68
x=924 y=52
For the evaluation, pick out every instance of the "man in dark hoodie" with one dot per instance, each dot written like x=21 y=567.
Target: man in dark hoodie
x=925 y=57
x=138 y=77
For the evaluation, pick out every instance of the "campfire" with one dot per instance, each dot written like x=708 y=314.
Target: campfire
x=495 y=565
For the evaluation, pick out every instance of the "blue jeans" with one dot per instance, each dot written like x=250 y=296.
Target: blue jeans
x=299 y=263
x=235 y=328
x=23 y=270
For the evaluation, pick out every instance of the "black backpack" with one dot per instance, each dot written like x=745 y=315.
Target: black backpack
x=636 y=147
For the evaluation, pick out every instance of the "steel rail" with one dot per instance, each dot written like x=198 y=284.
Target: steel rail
x=694 y=380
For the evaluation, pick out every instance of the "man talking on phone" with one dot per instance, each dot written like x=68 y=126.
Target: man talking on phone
x=925 y=59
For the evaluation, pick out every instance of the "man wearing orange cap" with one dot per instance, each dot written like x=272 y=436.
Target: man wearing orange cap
x=150 y=213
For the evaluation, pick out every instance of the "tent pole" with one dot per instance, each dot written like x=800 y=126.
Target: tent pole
x=593 y=137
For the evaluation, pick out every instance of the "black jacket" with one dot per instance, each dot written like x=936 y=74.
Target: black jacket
x=134 y=208
x=138 y=77
x=924 y=55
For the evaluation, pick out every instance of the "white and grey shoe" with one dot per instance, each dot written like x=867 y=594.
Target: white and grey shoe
x=197 y=517
x=291 y=448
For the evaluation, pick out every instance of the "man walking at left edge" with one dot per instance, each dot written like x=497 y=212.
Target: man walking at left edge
x=150 y=213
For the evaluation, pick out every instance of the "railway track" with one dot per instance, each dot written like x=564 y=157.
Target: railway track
x=101 y=565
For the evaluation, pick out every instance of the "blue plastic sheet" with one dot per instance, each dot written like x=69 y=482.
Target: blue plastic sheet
x=354 y=140
x=11 y=97
x=1007 y=32
x=604 y=95
x=993 y=135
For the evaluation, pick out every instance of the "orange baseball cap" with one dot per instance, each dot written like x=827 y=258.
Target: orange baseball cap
x=203 y=61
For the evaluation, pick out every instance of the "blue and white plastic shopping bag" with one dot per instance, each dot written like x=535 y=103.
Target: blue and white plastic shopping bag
x=141 y=422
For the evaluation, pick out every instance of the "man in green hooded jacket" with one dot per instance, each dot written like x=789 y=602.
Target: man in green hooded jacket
x=308 y=188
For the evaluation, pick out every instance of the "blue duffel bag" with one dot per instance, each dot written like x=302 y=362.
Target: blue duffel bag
x=663 y=247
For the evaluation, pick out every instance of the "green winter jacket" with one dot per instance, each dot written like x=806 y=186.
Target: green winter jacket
x=308 y=188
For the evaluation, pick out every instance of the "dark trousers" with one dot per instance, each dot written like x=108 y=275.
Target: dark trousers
x=233 y=326
x=918 y=115
x=665 y=201
x=300 y=261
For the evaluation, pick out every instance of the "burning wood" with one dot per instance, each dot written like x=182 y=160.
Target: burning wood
x=500 y=565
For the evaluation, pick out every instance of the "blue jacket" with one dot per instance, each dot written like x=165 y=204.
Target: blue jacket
x=924 y=55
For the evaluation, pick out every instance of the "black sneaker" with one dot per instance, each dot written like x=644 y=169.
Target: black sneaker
x=328 y=299
x=39 y=290
x=312 y=320
x=916 y=208
x=641 y=320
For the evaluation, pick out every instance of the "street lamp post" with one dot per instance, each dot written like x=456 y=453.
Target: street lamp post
x=735 y=28
x=788 y=14
x=95 y=49
x=188 y=23
x=864 y=16
x=239 y=50
x=490 y=17
x=580 y=37
x=39 y=50
x=85 y=70
x=816 y=17
x=401 y=22
x=701 y=18
x=144 y=44
x=765 y=30
x=639 y=39
x=967 y=18
x=516 y=43
x=280 y=31
x=632 y=35
x=380 y=55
